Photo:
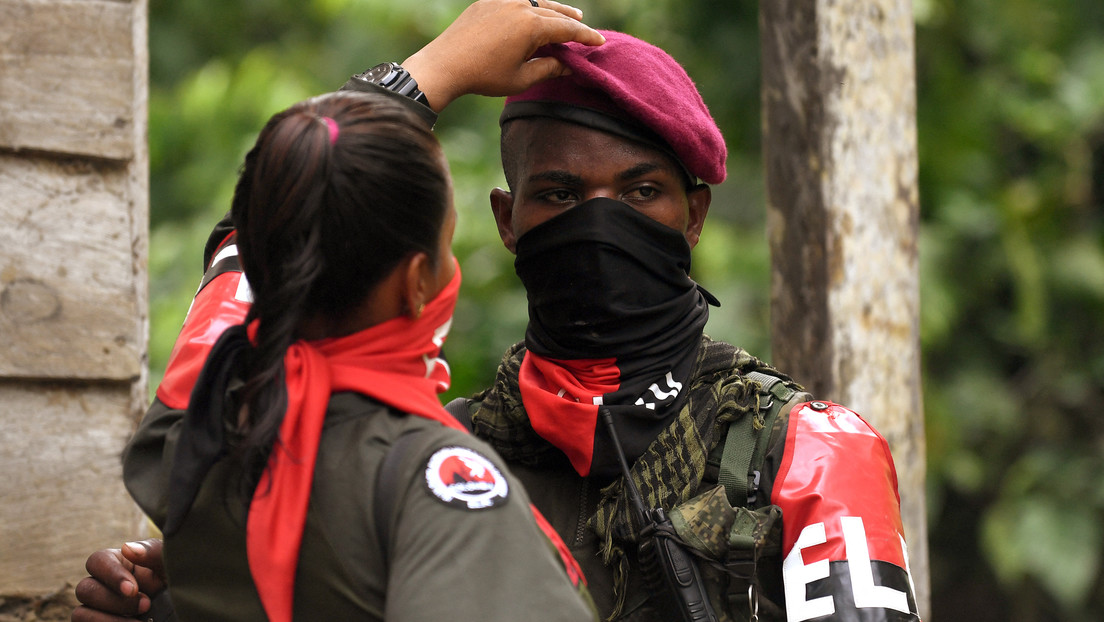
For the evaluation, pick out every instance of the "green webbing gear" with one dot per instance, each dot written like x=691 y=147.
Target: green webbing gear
x=742 y=448
x=738 y=528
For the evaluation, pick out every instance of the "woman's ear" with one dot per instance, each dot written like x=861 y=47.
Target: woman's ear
x=417 y=274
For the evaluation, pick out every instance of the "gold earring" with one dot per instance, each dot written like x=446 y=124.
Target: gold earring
x=421 y=308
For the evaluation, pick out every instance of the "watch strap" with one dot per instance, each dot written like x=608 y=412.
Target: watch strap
x=394 y=78
x=425 y=113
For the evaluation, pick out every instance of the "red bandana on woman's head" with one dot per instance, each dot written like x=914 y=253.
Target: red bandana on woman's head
x=398 y=363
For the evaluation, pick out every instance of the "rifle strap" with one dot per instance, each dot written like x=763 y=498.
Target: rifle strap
x=743 y=453
x=459 y=409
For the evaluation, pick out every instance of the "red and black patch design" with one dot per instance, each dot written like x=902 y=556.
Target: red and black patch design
x=845 y=554
x=465 y=478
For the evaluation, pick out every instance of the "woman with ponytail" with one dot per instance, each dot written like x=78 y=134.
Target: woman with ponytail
x=312 y=473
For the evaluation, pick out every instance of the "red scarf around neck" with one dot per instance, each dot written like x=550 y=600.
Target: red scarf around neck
x=562 y=399
x=398 y=363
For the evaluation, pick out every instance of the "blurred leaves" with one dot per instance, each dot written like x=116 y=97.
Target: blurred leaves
x=1046 y=526
x=1011 y=128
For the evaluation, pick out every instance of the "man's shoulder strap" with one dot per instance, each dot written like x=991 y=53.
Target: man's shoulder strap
x=747 y=439
x=461 y=410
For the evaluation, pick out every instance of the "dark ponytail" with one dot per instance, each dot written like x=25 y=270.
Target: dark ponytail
x=336 y=192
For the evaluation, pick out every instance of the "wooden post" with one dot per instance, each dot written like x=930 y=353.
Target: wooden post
x=73 y=295
x=839 y=124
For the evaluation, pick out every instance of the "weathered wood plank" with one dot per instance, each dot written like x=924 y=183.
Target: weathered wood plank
x=67 y=72
x=68 y=298
x=839 y=106
x=62 y=488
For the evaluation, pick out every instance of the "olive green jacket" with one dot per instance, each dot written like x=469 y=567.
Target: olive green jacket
x=443 y=562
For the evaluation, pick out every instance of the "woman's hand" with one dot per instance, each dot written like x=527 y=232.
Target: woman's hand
x=488 y=49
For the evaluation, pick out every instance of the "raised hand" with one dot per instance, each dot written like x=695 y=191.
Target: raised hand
x=488 y=49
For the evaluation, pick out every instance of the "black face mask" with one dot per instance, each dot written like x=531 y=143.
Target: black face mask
x=606 y=282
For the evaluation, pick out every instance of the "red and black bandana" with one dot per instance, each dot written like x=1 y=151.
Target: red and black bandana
x=615 y=321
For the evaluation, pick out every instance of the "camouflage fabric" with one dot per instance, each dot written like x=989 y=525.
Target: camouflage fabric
x=704 y=522
x=501 y=419
x=671 y=470
x=729 y=542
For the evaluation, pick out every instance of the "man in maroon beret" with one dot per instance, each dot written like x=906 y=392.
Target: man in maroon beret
x=607 y=170
x=760 y=500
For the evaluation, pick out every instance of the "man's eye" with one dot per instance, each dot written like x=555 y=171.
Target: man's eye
x=643 y=192
x=557 y=196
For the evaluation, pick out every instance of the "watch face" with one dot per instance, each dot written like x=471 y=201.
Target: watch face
x=393 y=77
x=380 y=74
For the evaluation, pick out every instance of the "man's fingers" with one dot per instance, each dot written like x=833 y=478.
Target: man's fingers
x=146 y=553
x=109 y=567
x=96 y=596
x=112 y=591
x=87 y=614
x=148 y=560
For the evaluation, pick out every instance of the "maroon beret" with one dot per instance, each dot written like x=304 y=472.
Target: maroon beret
x=631 y=88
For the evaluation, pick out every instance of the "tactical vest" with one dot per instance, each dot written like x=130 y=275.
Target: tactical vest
x=731 y=527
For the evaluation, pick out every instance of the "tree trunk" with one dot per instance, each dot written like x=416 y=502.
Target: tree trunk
x=839 y=123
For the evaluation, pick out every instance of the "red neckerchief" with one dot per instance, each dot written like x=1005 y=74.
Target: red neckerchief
x=395 y=362
x=562 y=397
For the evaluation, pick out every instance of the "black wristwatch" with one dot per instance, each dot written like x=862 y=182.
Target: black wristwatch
x=393 y=77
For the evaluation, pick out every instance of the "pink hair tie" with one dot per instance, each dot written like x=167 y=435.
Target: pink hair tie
x=332 y=126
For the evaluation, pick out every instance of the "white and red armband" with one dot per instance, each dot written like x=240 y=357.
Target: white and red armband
x=843 y=541
x=222 y=301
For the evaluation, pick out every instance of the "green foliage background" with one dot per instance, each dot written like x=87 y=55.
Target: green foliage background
x=1011 y=130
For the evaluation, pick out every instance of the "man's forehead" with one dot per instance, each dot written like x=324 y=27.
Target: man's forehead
x=540 y=129
x=553 y=144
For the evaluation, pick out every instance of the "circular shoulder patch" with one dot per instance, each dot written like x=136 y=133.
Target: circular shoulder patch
x=465 y=478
